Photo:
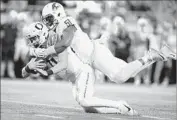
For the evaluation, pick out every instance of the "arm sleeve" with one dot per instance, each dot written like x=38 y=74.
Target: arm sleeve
x=26 y=71
x=25 y=74
x=66 y=39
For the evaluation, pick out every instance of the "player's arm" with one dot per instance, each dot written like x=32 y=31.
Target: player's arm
x=36 y=52
x=62 y=44
x=60 y=66
x=25 y=72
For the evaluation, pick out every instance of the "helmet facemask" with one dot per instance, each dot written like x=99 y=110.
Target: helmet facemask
x=37 y=40
x=34 y=41
x=36 y=34
x=50 y=21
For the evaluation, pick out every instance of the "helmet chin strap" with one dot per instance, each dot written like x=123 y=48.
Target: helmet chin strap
x=55 y=23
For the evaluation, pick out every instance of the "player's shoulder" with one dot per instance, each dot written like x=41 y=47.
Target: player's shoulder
x=65 y=23
x=65 y=19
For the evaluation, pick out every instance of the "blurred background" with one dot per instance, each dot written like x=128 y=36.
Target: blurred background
x=135 y=26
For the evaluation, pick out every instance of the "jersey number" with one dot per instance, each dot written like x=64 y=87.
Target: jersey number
x=68 y=22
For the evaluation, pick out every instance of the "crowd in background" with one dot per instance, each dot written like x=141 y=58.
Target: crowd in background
x=134 y=27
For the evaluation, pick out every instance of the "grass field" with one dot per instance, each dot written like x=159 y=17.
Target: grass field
x=53 y=100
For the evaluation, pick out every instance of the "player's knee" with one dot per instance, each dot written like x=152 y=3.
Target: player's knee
x=122 y=78
x=118 y=77
x=83 y=101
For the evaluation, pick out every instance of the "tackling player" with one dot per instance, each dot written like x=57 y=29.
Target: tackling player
x=91 y=52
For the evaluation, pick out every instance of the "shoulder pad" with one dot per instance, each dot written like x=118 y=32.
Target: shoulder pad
x=65 y=23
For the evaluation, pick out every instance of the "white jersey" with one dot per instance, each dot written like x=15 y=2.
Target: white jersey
x=81 y=44
x=74 y=65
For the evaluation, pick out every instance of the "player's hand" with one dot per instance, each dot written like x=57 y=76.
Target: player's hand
x=42 y=72
x=38 y=52
x=33 y=64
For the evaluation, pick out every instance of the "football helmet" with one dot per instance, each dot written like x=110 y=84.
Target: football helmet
x=35 y=34
x=52 y=13
x=118 y=21
x=142 y=24
x=105 y=23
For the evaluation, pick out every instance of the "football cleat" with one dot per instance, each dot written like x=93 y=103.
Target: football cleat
x=127 y=110
x=168 y=52
x=133 y=112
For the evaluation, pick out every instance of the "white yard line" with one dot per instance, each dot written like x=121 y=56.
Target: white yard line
x=153 y=117
x=74 y=108
x=50 y=116
x=111 y=118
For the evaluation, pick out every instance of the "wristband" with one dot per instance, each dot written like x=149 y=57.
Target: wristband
x=27 y=69
x=142 y=61
x=49 y=72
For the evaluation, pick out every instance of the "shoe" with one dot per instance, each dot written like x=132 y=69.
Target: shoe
x=155 y=55
x=168 y=52
x=133 y=112
x=127 y=110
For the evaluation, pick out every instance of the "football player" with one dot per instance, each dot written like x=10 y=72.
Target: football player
x=91 y=52
x=81 y=75
x=36 y=35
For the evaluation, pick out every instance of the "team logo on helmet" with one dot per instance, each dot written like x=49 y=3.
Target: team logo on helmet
x=55 y=6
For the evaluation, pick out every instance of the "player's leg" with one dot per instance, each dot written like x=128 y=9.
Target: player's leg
x=166 y=52
x=3 y=62
x=117 y=69
x=10 y=69
x=10 y=65
x=83 y=93
x=3 y=66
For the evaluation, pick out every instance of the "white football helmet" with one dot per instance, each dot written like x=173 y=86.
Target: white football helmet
x=36 y=34
x=105 y=23
x=142 y=25
x=52 y=14
x=119 y=21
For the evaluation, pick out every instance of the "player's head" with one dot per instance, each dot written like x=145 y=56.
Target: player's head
x=36 y=34
x=118 y=24
x=118 y=21
x=105 y=23
x=52 y=13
